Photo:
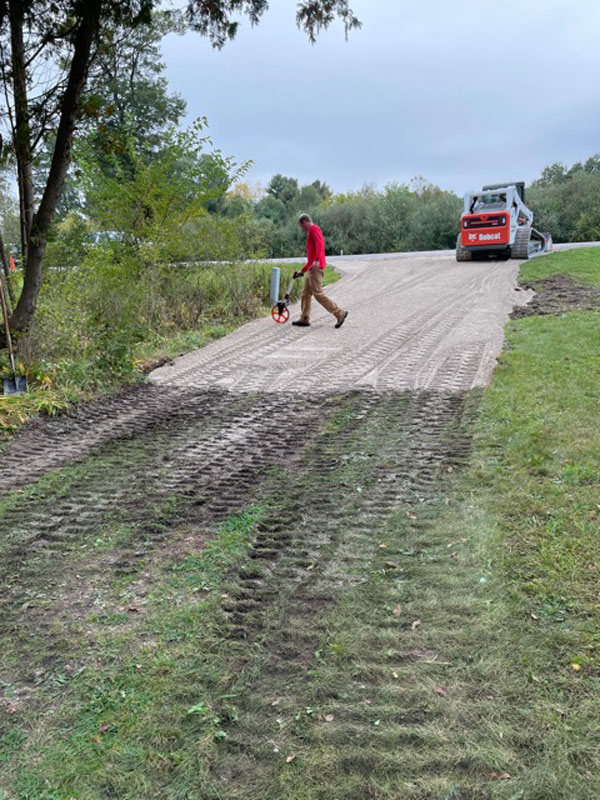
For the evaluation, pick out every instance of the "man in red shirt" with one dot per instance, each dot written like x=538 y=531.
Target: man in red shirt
x=313 y=271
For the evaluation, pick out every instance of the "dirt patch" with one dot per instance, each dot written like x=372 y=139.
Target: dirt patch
x=557 y=294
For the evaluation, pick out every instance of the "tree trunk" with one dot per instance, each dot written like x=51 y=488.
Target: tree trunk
x=6 y=268
x=40 y=222
x=22 y=132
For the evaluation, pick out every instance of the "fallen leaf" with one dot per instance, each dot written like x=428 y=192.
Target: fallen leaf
x=329 y=717
x=534 y=616
x=576 y=667
x=395 y=675
x=450 y=469
x=382 y=546
x=500 y=776
x=103 y=728
x=289 y=759
x=414 y=625
x=457 y=541
x=275 y=702
x=397 y=611
x=441 y=691
x=391 y=564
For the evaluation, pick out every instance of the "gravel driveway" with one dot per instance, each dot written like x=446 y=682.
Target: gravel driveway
x=425 y=322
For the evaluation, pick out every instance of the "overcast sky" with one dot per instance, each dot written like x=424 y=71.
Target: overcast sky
x=462 y=92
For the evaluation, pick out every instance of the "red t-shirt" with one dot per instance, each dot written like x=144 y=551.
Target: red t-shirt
x=315 y=248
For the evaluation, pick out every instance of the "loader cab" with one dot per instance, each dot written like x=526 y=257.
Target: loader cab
x=490 y=201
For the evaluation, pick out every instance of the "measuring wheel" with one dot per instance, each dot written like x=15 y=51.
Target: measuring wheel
x=280 y=312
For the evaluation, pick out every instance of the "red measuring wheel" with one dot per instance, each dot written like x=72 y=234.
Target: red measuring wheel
x=280 y=314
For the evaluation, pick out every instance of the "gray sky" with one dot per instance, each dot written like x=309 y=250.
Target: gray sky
x=462 y=92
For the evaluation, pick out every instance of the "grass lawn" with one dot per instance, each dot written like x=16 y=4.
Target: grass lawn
x=581 y=264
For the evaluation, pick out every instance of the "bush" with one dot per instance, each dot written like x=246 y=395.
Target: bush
x=91 y=319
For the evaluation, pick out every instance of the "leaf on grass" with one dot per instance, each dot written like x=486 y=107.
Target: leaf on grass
x=391 y=564
x=289 y=759
x=500 y=776
x=441 y=691
x=576 y=667
x=383 y=545
x=395 y=675
x=329 y=717
x=414 y=625
x=397 y=611
x=534 y=616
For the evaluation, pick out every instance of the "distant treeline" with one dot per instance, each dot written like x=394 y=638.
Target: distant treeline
x=419 y=216
x=401 y=217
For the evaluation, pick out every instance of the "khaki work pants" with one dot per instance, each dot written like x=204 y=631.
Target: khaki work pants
x=313 y=287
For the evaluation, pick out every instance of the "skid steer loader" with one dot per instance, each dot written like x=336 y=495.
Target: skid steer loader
x=496 y=222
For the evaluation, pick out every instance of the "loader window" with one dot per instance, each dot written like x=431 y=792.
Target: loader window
x=487 y=202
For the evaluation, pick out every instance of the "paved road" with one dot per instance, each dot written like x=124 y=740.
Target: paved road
x=418 y=322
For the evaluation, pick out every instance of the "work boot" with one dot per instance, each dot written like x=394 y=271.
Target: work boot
x=301 y=323
x=341 y=320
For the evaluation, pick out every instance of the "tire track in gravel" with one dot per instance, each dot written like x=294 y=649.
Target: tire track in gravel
x=410 y=320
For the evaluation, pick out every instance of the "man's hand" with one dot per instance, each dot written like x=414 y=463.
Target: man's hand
x=297 y=275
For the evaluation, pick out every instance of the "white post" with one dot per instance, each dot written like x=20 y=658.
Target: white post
x=275 y=278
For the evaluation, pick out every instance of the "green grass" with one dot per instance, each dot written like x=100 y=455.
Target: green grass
x=581 y=264
x=535 y=490
x=148 y=705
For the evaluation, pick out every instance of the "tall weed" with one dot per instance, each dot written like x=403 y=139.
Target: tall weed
x=93 y=318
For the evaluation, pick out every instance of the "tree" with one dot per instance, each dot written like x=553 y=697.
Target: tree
x=283 y=189
x=47 y=48
x=271 y=208
x=127 y=91
x=154 y=199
